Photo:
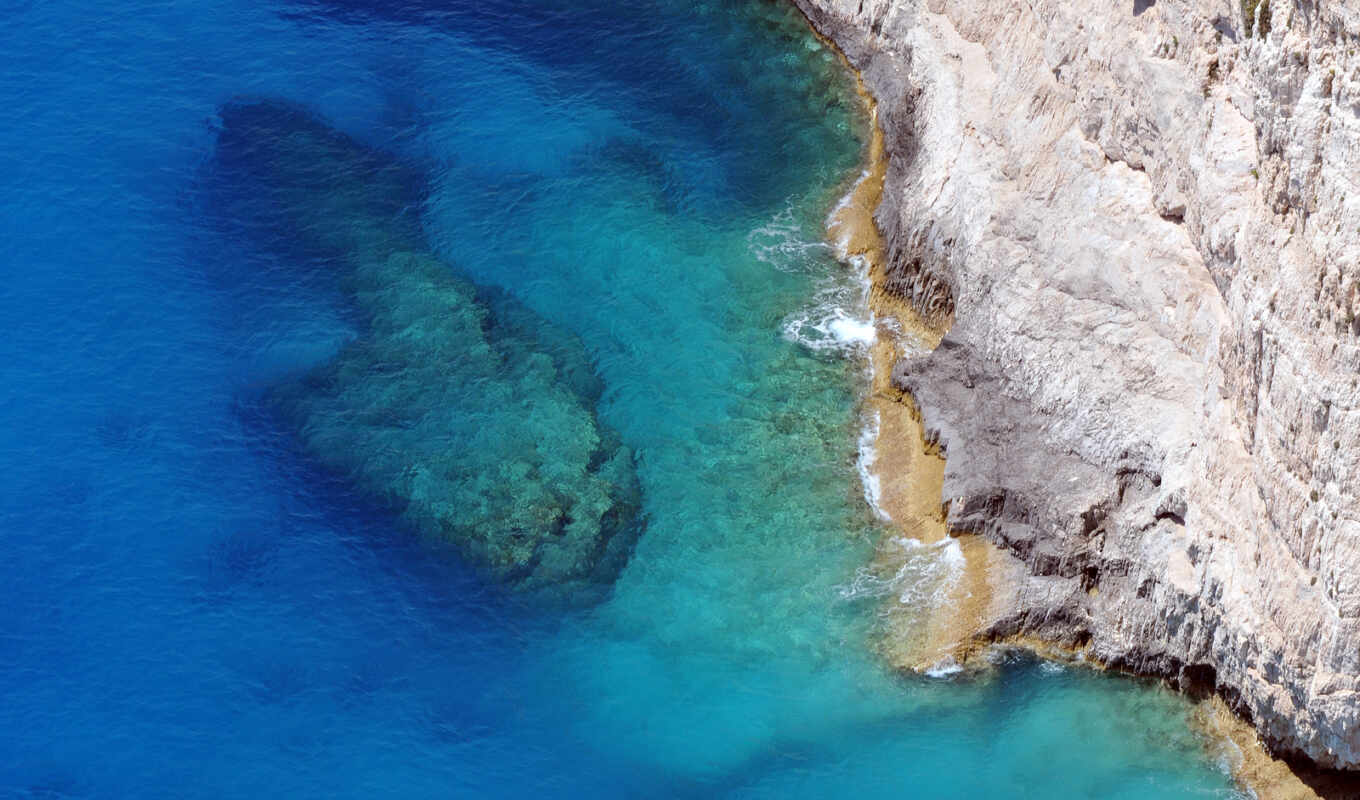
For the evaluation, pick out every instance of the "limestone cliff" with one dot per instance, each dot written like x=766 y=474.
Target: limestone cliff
x=1142 y=223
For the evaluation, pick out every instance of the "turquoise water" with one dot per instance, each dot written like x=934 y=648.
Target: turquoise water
x=200 y=599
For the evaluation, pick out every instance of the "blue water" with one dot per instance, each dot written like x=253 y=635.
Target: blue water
x=193 y=605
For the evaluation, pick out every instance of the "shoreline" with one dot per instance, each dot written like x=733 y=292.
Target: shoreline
x=940 y=634
x=950 y=635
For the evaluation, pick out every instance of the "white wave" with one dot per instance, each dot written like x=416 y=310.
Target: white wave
x=853 y=331
x=864 y=464
x=839 y=317
x=937 y=574
x=927 y=575
x=944 y=668
x=847 y=197
x=782 y=244
x=952 y=553
x=842 y=244
x=828 y=326
x=866 y=585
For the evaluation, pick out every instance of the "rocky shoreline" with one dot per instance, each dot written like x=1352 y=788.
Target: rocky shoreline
x=1133 y=222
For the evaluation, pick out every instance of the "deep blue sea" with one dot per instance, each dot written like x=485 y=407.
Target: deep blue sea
x=197 y=602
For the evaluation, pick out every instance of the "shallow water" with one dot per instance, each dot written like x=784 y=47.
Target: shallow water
x=192 y=605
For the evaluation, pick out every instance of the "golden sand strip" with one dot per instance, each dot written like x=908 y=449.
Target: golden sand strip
x=936 y=629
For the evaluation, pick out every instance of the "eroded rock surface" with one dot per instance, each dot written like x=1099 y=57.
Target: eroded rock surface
x=1144 y=222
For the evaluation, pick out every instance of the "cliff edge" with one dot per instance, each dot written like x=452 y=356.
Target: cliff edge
x=1141 y=223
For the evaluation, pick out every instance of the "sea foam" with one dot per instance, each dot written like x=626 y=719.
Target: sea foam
x=864 y=464
x=926 y=573
x=781 y=243
x=827 y=326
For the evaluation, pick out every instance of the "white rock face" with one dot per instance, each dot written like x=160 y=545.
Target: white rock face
x=1145 y=219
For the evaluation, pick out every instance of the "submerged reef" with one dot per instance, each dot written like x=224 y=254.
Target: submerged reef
x=459 y=407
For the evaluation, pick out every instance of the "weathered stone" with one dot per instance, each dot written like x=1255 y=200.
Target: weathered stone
x=1144 y=221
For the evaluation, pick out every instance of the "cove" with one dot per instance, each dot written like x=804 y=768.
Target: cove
x=196 y=603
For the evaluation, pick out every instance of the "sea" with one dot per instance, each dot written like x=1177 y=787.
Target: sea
x=199 y=599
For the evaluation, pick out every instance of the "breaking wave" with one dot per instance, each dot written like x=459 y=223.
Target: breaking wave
x=925 y=573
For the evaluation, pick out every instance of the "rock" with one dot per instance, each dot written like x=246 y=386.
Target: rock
x=458 y=407
x=1141 y=218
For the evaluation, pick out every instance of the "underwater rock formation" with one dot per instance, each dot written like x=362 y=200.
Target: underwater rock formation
x=458 y=407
